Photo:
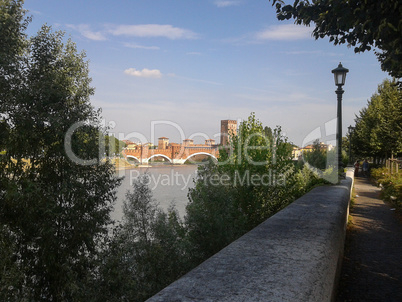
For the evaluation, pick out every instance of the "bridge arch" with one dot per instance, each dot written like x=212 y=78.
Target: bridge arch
x=131 y=156
x=201 y=153
x=162 y=155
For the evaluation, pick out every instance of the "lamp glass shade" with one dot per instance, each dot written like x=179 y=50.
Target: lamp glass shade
x=340 y=75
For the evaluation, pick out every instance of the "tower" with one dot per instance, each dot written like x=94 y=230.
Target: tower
x=163 y=143
x=228 y=128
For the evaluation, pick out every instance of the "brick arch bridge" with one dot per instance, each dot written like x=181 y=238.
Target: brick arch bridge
x=178 y=154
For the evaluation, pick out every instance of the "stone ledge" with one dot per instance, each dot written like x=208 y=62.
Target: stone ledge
x=293 y=256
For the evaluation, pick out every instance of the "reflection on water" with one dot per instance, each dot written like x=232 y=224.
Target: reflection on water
x=168 y=184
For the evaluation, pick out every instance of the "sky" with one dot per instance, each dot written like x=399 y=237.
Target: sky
x=176 y=68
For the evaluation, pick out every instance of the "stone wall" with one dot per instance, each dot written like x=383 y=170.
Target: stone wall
x=293 y=256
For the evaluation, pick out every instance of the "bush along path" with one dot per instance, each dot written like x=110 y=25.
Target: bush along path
x=372 y=265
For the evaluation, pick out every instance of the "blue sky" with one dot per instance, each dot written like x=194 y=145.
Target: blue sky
x=176 y=68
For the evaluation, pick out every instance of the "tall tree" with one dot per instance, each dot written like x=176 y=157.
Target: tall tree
x=378 y=130
x=147 y=251
x=256 y=152
x=318 y=157
x=253 y=179
x=13 y=24
x=113 y=146
x=56 y=194
x=362 y=24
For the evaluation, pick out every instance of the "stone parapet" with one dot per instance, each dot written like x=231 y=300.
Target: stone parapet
x=295 y=255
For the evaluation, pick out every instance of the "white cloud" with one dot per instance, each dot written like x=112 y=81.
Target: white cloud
x=145 y=73
x=141 y=30
x=136 y=46
x=152 y=31
x=85 y=30
x=226 y=3
x=284 y=32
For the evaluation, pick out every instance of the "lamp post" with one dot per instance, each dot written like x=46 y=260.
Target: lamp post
x=350 y=131
x=340 y=76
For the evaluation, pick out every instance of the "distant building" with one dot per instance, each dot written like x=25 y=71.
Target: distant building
x=163 y=143
x=188 y=142
x=228 y=127
x=298 y=152
x=127 y=142
x=135 y=146
x=209 y=142
x=131 y=146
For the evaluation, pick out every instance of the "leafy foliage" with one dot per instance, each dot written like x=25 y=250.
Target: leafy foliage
x=361 y=24
x=323 y=161
x=53 y=211
x=391 y=185
x=113 y=146
x=147 y=252
x=318 y=157
x=253 y=179
x=306 y=179
x=213 y=219
x=378 y=130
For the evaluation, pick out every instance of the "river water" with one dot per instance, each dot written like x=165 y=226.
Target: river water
x=169 y=184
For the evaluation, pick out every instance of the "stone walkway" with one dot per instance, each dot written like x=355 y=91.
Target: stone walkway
x=372 y=265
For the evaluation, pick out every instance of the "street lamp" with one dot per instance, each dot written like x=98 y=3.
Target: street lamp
x=340 y=76
x=350 y=131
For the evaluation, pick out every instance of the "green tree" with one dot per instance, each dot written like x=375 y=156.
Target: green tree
x=147 y=251
x=346 y=151
x=378 y=130
x=13 y=24
x=254 y=153
x=253 y=179
x=318 y=157
x=54 y=211
x=113 y=146
x=213 y=219
x=361 y=24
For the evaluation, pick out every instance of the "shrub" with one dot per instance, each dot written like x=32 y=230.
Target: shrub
x=391 y=185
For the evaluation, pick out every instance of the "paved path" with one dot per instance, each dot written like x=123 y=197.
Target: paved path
x=372 y=265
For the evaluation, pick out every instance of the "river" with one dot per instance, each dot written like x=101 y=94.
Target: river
x=169 y=184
